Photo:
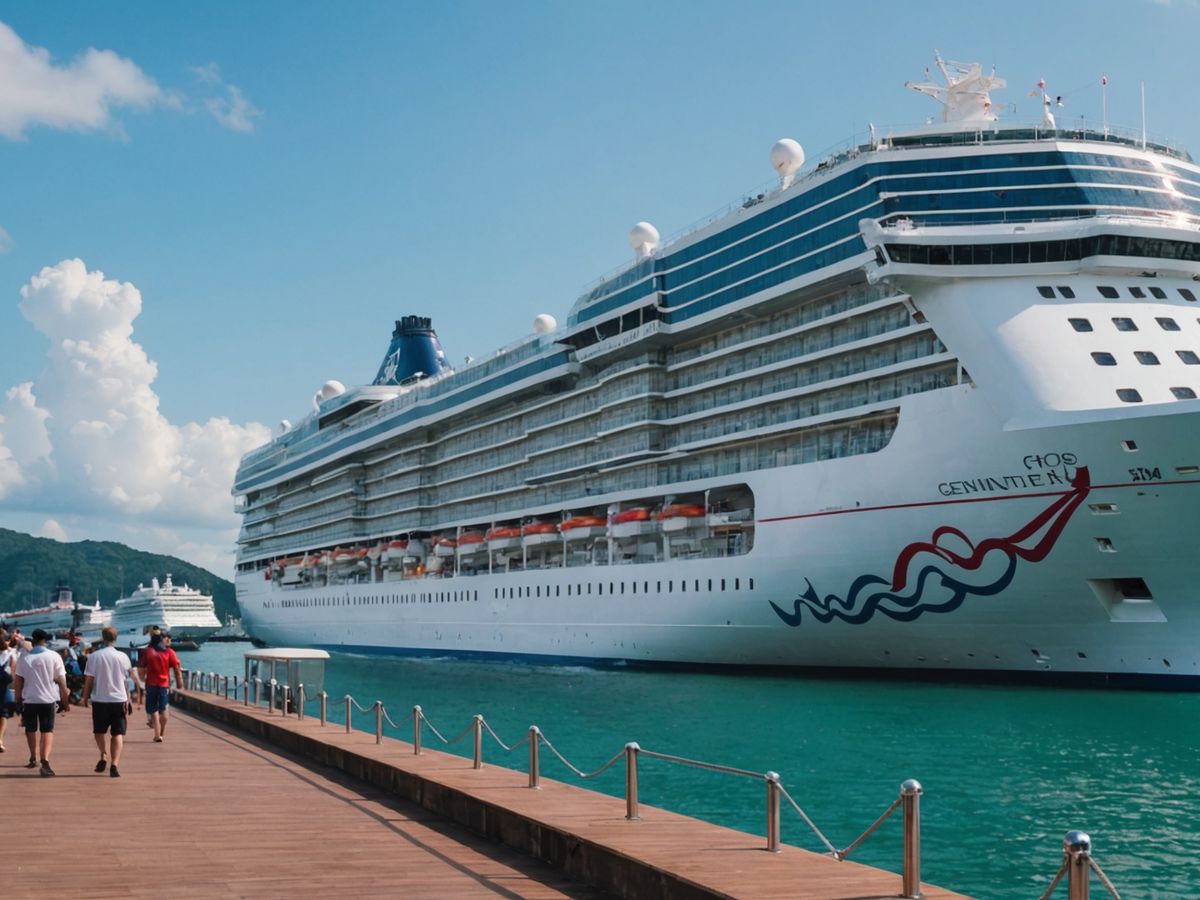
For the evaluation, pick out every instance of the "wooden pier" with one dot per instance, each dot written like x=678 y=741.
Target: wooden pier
x=238 y=802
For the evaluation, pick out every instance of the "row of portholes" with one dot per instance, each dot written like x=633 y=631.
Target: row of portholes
x=1111 y=293
x=582 y=589
x=375 y=599
x=1122 y=323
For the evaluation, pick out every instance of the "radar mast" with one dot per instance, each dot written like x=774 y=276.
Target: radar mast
x=964 y=96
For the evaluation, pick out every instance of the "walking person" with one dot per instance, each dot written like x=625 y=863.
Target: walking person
x=8 y=662
x=104 y=687
x=40 y=683
x=155 y=665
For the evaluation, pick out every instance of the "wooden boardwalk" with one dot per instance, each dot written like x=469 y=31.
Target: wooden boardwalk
x=214 y=812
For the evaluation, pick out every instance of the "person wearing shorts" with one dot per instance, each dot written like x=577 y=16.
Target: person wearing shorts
x=105 y=689
x=155 y=665
x=8 y=705
x=40 y=684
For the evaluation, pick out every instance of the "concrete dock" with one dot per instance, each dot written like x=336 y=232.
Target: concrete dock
x=238 y=802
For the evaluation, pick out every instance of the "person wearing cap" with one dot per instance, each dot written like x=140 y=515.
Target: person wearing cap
x=40 y=683
x=104 y=687
x=155 y=665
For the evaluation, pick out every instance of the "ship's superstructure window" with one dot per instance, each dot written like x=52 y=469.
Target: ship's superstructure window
x=1046 y=291
x=1137 y=293
x=1146 y=357
x=1167 y=324
x=1108 y=293
x=1186 y=294
x=1104 y=359
x=1080 y=324
x=1067 y=292
x=1189 y=357
x=1183 y=393
x=1043 y=252
x=1158 y=293
x=1124 y=324
x=1129 y=395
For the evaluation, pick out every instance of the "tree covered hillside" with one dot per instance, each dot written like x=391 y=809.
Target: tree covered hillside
x=30 y=568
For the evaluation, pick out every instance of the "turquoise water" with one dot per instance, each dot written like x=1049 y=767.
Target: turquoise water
x=1006 y=770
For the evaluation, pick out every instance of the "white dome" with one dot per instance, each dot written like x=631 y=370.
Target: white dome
x=284 y=426
x=787 y=157
x=544 y=324
x=332 y=388
x=643 y=233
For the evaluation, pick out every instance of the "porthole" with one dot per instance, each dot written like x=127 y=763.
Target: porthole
x=1183 y=393
x=1067 y=292
x=1129 y=395
x=1109 y=293
x=1188 y=357
x=1167 y=324
x=1046 y=291
x=1124 y=324
x=1146 y=357
x=1101 y=358
x=1137 y=293
x=1158 y=293
x=1080 y=324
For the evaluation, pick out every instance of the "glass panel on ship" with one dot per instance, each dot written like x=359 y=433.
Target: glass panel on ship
x=667 y=429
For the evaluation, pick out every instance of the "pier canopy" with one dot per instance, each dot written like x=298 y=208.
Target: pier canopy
x=293 y=666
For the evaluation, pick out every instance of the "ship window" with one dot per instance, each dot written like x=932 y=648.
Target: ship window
x=1167 y=324
x=751 y=584
x=1104 y=359
x=1129 y=395
x=622 y=587
x=1046 y=291
x=710 y=584
x=1186 y=294
x=670 y=586
x=1146 y=357
x=1109 y=293
x=1124 y=324
x=697 y=585
x=1183 y=393
x=1067 y=292
x=1158 y=293
x=1080 y=324
x=1188 y=357
x=737 y=584
x=658 y=587
x=1138 y=293
x=722 y=584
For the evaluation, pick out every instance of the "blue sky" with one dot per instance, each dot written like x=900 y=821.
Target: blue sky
x=304 y=173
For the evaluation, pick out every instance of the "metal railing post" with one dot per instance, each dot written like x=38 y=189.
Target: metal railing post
x=535 y=738
x=245 y=693
x=417 y=716
x=910 y=800
x=379 y=721
x=215 y=683
x=300 y=701
x=1077 y=851
x=324 y=710
x=631 y=785
x=236 y=687
x=772 y=779
x=348 y=713
x=477 y=727
x=225 y=686
x=271 y=697
x=257 y=687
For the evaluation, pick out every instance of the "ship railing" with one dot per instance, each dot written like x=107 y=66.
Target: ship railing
x=1077 y=866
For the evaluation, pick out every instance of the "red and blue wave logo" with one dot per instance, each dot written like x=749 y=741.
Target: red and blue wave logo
x=960 y=569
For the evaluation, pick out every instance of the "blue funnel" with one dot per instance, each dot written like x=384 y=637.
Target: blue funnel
x=415 y=352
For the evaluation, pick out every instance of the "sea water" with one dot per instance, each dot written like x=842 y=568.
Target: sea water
x=1006 y=771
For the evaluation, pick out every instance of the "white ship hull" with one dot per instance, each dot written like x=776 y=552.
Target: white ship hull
x=826 y=525
x=183 y=613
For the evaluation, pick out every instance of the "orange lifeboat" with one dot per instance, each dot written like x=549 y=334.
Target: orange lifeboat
x=637 y=514
x=539 y=528
x=444 y=546
x=584 y=522
x=681 y=510
x=470 y=542
x=499 y=534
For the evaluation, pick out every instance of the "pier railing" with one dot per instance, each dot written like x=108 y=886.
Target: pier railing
x=278 y=698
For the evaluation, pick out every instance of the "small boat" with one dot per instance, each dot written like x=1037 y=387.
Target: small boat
x=539 y=533
x=681 y=516
x=470 y=542
x=503 y=537
x=444 y=546
x=395 y=552
x=581 y=527
x=632 y=522
x=637 y=514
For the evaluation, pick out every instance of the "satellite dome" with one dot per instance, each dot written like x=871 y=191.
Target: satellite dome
x=643 y=238
x=544 y=324
x=787 y=157
x=331 y=389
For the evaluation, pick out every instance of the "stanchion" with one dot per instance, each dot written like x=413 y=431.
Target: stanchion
x=348 y=713
x=324 y=702
x=535 y=738
x=379 y=721
x=910 y=799
x=271 y=698
x=1077 y=850
x=300 y=701
x=416 y=713
x=631 y=781
x=477 y=727
x=772 y=811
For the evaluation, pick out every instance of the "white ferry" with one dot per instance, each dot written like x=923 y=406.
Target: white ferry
x=929 y=405
x=183 y=612
x=62 y=615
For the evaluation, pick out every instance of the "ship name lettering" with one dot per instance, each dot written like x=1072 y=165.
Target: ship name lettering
x=995 y=483
x=1049 y=460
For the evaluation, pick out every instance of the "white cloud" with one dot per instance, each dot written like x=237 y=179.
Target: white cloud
x=79 y=96
x=87 y=435
x=51 y=529
x=232 y=109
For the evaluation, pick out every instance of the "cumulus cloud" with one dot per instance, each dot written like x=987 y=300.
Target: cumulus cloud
x=51 y=529
x=78 y=96
x=87 y=434
x=230 y=108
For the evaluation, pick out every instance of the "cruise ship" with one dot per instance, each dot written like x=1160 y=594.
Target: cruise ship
x=60 y=617
x=183 y=612
x=928 y=405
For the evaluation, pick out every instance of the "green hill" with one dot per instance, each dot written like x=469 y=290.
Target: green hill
x=30 y=567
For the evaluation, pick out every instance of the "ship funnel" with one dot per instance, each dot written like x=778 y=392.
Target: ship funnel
x=415 y=352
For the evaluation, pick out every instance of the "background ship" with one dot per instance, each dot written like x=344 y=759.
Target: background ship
x=184 y=613
x=927 y=405
x=62 y=615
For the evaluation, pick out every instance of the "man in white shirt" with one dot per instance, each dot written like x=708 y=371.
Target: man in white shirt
x=40 y=683
x=105 y=688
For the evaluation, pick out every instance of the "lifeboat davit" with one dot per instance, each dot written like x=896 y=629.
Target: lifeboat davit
x=580 y=527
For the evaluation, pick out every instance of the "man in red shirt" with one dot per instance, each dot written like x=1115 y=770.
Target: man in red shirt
x=155 y=665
